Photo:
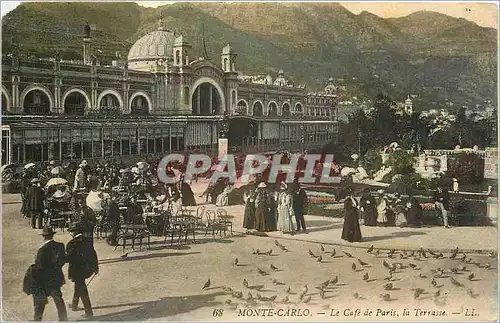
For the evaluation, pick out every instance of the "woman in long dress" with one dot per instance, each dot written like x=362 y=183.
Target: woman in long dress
x=261 y=207
x=369 y=208
x=382 y=209
x=351 y=231
x=285 y=211
x=270 y=225
x=249 y=217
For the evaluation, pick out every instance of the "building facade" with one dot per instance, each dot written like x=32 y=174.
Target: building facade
x=157 y=102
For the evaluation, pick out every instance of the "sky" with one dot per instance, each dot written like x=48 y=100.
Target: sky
x=484 y=13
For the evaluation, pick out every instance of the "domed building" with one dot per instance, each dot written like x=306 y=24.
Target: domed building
x=154 y=46
x=157 y=102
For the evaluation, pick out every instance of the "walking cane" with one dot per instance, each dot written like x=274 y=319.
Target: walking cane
x=91 y=278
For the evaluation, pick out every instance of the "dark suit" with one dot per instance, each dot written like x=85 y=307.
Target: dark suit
x=113 y=219
x=369 y=209
x=351 y=231
x=442 y=202
x=33 y=205
x=82 y=260
x=49 y=278
x=88 y=222
x=299 y=204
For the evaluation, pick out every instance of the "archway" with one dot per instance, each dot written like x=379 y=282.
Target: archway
x=206 y=100
x=139 y=104
x=299 y=109
x=241 y=107
x=273 y=110
x=286 y=110
x=241 y=129
x=75 y=103
x=36 y=101
x=110 y=103
x=258 y=109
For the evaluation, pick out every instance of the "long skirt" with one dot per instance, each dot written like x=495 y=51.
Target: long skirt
x=370 y=217
x=249 y=217
x=261 y=214
x=351 y=231
x=285 y=222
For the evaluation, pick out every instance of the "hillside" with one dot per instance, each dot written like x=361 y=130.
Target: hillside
x=434 y=56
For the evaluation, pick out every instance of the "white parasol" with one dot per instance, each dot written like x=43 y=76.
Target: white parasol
x=142 y=166
x=56 y=181
x=29 y=165
x=58 y=170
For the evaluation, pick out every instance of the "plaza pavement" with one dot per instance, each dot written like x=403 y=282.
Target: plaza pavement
x=164 y=283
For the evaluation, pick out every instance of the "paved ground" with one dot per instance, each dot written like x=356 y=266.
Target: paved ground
x=165 y=283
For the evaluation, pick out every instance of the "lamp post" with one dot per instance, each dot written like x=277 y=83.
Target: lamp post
x=302 y=132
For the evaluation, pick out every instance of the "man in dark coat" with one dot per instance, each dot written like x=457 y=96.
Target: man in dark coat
x=87 y=221
x=48 y=276
x=113 y=219
x=442 y=202
x=299 y=206
x=33 y=205
x=82 y=261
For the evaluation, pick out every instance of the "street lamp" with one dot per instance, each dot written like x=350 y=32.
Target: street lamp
x=302 y=138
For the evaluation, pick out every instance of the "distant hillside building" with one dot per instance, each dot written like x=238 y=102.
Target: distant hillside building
x=158 y=101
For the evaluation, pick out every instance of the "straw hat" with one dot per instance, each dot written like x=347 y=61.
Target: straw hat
x=262 y=185
x=283 y=186
x=380 y=191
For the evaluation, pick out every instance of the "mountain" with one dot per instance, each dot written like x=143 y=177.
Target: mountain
x=427 y=54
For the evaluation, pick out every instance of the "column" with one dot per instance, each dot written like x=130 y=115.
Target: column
x=198 y=108
x=210 y=108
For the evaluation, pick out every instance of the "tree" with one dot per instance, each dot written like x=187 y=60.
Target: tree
x=467 y=168
x=372 y=161
x=401 y=162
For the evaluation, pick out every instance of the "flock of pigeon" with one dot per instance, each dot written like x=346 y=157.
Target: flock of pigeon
x=394 y=262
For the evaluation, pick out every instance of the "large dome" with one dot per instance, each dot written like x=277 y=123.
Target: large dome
x=155 y=45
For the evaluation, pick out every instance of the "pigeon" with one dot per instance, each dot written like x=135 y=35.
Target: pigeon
x=259 y=297
x=277 y=243
x=356 y=295
x=412 y=266
x=288 y=290
x=269 y=252
x=366 y=276
x=388 y=286
x=284 y=248
x=207 y=284
x=272 y=298
x=249 y=297
x=389 y=278
x=422 y=275
x=431 y=252
x=362 y=263
x=454 y=254
x=348 y=254
x=353 y=266
x=401 y=256
x=471 y=276
x=471 y=293
x=386 y=265
x=438 y=293
x=305 y=290
x=335 y=280
x=334 y=253
x=322 y=294
x=320 y=259
x=434 y=283
x=285 y=300
x=464 y=256
x=455 y=282
x=322 y=248
x=228 y=302
x=306 y=299
x=325 y=284
x=125 y=255
x=263 y=273
x=311 y=253
x=386 y=296
x=274 y=267
x=370 y=249
x=245 y=283
x=257 y=287
x=417 y=293
x=377 y=253
x=487 y=266
x=277 y=282
x=391 y=253
x=302 y=295
x=236 y=262
x=492 y=255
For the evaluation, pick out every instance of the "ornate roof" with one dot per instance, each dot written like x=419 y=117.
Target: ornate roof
x=155 y=45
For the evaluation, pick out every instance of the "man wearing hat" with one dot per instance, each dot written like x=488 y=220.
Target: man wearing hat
x=49 y=261
x=299 y=199
x=82 y=264
x=33 y=206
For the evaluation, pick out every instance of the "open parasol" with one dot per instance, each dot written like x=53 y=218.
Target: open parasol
x=56 y=181
x=29 y=165
x=58 y=170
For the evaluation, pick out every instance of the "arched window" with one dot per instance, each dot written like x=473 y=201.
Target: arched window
x=233 y=98
x=186 y=95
